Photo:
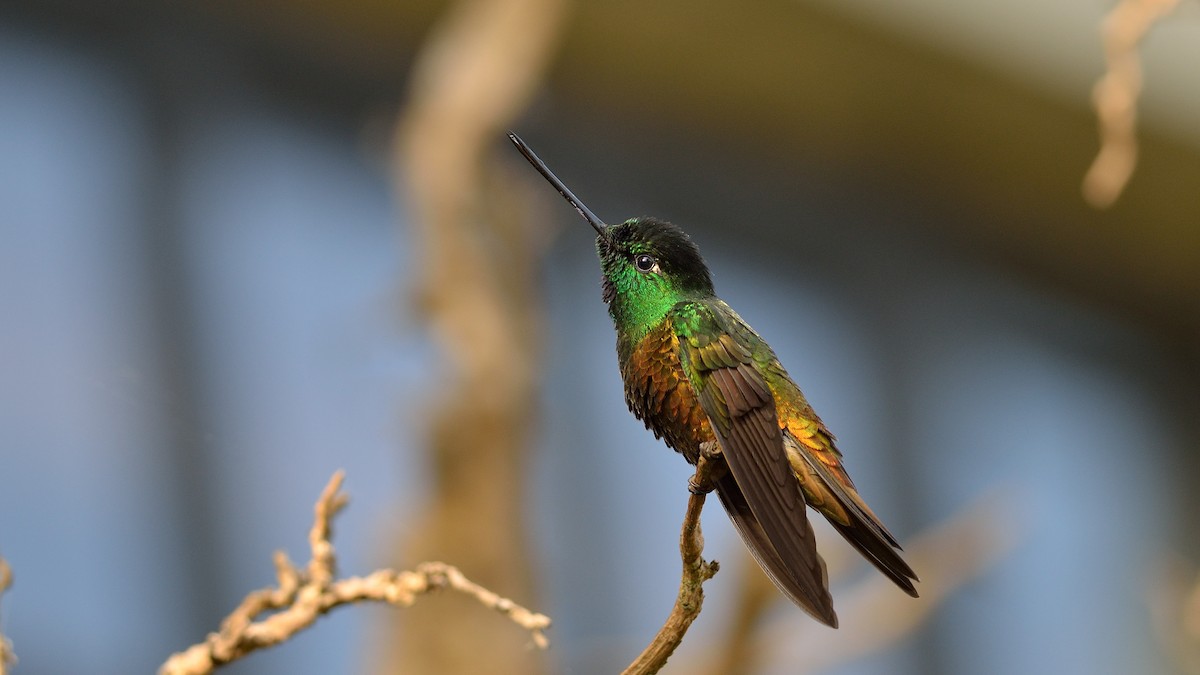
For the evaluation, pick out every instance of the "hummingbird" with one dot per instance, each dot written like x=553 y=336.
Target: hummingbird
x=708 y=385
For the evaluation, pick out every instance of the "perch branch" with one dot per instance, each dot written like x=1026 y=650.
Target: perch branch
x=1115 y=98
x=696 y=570
x=302 y=595
x=7 y=657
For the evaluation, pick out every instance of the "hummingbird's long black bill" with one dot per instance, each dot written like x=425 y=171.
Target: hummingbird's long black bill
x=538 y=164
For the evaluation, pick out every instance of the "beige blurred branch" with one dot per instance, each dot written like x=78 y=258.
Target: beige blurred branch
x=874 y=613
x=7 y=656
x=690 y=599
x=736 y=650
x=1175 y=611
x=477 y=249
x=303 y=595
x=1115 y=98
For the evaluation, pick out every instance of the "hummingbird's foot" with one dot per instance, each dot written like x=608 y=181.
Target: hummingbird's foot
x=710 y=449
x=700 y=487
x=710 y=468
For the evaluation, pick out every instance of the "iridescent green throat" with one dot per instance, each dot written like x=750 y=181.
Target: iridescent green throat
x=640 y=301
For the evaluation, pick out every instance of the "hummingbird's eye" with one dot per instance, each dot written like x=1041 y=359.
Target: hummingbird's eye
x=645 y=263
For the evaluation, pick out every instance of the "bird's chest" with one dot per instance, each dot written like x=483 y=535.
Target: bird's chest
x=659 y=393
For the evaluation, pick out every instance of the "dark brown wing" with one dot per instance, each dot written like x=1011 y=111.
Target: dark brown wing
x=779 y=572
x=861 y=528
x=767 y=506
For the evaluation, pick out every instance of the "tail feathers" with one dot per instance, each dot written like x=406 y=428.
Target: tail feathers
x=863 y=530
x=882 y=555
x=805 y=583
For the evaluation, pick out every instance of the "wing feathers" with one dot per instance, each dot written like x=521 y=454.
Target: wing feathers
x=761 y=494
x=819 y=606
x=864 y=531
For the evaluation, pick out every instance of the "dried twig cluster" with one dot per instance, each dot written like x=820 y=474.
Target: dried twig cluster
x=7 y=657
x=1115 y=98
x=305 y=594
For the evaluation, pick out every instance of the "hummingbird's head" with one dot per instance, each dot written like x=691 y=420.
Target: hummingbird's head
x=645 y=259
x=649 y=265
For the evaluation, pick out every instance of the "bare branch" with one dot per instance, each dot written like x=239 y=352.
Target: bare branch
x=1115 y=98
x=7 y=656
x=696 y=570
x=303 y=595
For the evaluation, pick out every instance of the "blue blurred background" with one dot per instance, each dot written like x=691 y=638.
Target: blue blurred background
x=205 y=281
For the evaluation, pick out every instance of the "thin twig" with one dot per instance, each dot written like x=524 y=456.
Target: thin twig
x=7 y=656
x=1115 y=98
x=696 y=570
x=303 y=595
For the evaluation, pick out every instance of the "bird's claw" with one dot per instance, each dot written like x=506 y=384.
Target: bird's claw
x=710 y=449
x=709 y=469
x=699 y=487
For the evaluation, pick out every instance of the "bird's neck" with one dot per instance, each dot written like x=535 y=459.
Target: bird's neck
x=634 y=317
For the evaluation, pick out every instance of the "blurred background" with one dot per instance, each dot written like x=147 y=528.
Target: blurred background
x=243 y=244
